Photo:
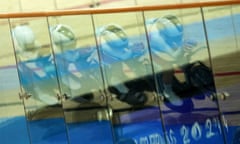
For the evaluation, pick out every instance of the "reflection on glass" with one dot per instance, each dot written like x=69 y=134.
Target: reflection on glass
x=34 y=68
x=166 y=39
x=224 y=48
x=165 y=56
x=121 y=63
x=38 y=79
x=78 y=69
x=128 y=76
x=12 y=116
x=185 y=81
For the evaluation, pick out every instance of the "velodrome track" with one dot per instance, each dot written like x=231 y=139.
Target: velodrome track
x=225 y=65
x=27 y=5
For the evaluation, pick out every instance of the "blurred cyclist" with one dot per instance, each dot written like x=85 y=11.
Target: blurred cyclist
x=75 y=67
x=119 y=59
x=168 y=49
x=32 y=65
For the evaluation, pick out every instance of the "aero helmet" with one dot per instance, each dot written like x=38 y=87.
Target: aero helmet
x=171 y=29
x=24 y=37
x=63 y=37
x=24 y=42
x=115 y=36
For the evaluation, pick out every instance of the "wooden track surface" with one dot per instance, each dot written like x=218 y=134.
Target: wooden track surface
x=29 y=6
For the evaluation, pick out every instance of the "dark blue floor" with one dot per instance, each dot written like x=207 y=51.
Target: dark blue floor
x=13 y=131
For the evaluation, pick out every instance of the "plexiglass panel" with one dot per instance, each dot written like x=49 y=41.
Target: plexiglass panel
x=223 y=31
x=183 y=71
x=12 y=116
x=80 y=77
x=128 y=78
x=38 y=79
x=167 y=76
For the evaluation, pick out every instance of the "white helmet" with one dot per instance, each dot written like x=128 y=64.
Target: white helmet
x=63 y=37
x=25 y=43
x=115 y=36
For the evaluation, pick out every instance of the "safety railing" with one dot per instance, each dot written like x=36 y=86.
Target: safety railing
x=117 y=10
